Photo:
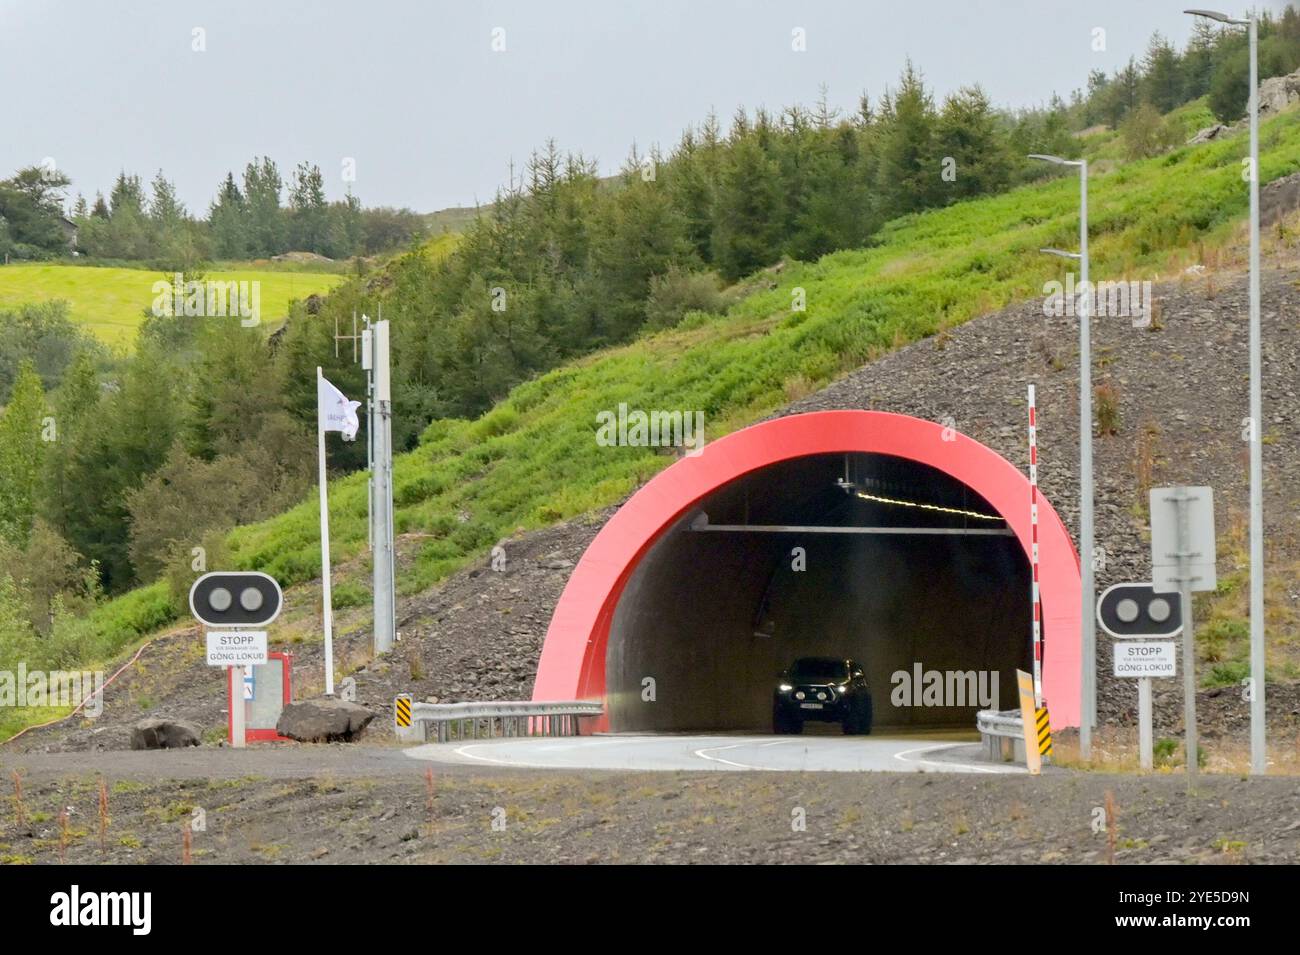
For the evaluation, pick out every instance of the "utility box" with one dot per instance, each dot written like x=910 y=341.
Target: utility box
x=265 y=690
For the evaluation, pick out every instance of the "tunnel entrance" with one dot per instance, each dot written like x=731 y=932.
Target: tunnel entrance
x=884 y=560
x=692 y=581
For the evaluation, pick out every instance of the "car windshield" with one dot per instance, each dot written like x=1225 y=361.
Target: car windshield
x=818 y=670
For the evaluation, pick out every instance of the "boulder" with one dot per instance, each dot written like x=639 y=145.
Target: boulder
x=1209 y=134
x=1278 y=199
x=160 y=732
x=323 y=720
x=1277 y=93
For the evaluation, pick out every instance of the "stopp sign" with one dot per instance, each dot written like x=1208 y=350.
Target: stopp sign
x=236 y=648
x=236 y=599
x=1145 y=658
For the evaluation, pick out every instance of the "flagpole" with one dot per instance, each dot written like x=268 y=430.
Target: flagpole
x=325 y=545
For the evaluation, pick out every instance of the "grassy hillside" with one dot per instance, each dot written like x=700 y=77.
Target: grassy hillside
x=110 y=302
x=533 y=459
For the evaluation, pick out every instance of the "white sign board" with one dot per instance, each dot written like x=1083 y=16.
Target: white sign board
x=232 y=648
x=1165 y=541
x=1149 y=658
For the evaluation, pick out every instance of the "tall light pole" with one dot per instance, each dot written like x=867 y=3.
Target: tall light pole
x=1258 y=756
x=1087 y=621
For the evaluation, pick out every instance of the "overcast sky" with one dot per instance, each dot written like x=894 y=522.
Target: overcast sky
x=414 y=93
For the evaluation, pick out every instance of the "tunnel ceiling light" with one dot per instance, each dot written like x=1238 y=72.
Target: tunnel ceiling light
x=928 y=507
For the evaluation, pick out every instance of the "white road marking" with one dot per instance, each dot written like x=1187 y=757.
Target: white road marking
x=541 y=750
x=717 y=753
x=718 y=759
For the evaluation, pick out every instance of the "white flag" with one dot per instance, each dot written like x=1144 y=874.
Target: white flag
x=334 y=411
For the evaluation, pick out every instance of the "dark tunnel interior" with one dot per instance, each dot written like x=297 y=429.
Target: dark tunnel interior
x=764 y=571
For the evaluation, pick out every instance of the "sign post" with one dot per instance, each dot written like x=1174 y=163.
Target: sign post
x=1146 y=743
x=1128 y=611
x=1183 y=556
x=1035 y=598
x=1143 y=660
x=238 y=651
x=238 y=734
x=227 y=603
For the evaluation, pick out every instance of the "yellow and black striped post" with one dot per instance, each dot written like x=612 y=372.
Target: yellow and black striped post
x=402 y=711
x=1044 y=727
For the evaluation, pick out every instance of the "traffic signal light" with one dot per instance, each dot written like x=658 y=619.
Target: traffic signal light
x=1138 y=610
x=236 y=599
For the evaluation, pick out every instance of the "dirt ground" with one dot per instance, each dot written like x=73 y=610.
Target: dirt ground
x=368 y=804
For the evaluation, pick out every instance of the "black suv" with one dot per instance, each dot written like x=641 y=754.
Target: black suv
x=826 y=689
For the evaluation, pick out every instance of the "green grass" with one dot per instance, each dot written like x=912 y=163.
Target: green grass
x=110 y=302
x=533 y=459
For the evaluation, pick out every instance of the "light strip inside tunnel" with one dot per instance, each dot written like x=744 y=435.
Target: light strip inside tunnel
x=928 y=507
x=813 y=529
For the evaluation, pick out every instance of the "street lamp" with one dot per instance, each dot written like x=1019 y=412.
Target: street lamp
x=1088 y=679
x=1258 y=756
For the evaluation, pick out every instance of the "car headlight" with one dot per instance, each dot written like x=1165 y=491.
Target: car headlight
x=842 y=688
x=785 y=688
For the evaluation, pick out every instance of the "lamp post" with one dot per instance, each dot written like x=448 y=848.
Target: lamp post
x=1258 y=756
x=1087 y=624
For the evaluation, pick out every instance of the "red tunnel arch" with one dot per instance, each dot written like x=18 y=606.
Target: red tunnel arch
x=572 y=665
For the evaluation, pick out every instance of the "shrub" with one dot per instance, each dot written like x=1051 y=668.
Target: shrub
x=1230 y=673
x=348 y=594
x=1106 y=408
x=1164 y=751
x=1146 y=133
x=677 y=292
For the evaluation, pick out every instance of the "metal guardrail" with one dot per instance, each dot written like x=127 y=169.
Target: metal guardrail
x=1003 y=733
x=488 y=720
x=1000 y=723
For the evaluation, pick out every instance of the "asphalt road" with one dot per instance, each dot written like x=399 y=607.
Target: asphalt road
x=899 y=754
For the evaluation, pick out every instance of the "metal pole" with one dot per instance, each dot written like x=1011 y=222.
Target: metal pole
x=326 y=599
x=382 y=496
x=1088 y=709
x=1036 y=607
x=1189 y=646
x=368 y=361
x=392 y=533
x=237 y=732
x=1144 y=723
x=1258 y=756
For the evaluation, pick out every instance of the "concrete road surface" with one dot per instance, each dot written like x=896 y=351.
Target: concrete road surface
x=899 y=754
